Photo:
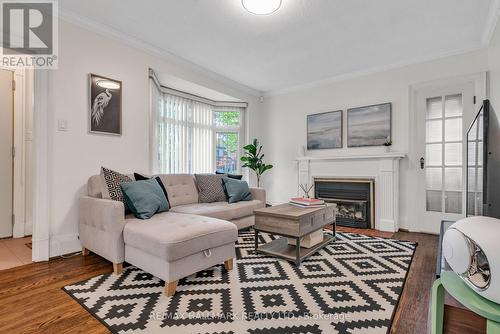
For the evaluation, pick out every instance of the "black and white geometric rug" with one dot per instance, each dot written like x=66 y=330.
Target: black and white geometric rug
x=351 y=286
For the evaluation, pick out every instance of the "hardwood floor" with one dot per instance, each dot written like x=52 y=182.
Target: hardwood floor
x=31 y=299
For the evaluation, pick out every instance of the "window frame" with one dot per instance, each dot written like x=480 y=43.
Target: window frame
x=229 y=129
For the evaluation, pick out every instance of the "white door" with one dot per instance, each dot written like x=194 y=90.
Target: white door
x=6 y=161
x=441 y=152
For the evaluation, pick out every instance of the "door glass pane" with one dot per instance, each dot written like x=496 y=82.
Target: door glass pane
x=453 y=105
x=434 y=178
x=471 y=154
x=453 y=129
x=453 y=202
x=434 y=155
x=453 y=154
x=434 y=108
x=453 y=179
x=227 y=152
x=471 y=176
x=434 y=131
x=480 y=153
x=434 y=200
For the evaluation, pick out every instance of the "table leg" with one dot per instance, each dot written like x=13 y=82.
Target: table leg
x=492 y=327
x=297 y=252
x=437 y=307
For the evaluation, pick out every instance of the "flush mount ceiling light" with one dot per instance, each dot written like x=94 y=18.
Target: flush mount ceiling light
x=261 y=7
x=107 y=84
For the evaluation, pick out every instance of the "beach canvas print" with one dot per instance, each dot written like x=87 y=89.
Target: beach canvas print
x=324 y=131
x=369 y=126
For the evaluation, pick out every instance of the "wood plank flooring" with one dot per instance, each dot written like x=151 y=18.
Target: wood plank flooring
x=31 y=299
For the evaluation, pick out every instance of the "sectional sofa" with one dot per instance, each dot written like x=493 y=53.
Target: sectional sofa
x=190 y=237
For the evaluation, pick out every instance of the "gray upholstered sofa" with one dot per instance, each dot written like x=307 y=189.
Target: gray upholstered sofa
x=171 y=245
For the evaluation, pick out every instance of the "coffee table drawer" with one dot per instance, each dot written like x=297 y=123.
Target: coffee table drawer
x=316 y=221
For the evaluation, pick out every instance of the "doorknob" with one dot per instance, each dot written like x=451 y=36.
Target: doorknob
x=422 y=163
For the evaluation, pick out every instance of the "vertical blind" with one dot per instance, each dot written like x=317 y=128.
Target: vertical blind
x=185 y=136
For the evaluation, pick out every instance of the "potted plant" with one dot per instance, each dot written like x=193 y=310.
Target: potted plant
x=253 y=159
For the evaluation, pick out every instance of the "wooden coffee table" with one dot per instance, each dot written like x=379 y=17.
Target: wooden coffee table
x=293 y=222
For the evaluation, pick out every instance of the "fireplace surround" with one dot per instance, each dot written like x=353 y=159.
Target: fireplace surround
x=354 y=198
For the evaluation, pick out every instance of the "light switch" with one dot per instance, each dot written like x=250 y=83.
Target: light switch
x=62 y=125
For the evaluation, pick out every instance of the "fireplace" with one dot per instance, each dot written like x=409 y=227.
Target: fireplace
x=354 y=199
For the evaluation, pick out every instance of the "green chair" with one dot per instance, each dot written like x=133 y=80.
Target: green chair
x=457 y=288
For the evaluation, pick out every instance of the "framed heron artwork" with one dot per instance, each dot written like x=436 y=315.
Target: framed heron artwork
x=105 y=113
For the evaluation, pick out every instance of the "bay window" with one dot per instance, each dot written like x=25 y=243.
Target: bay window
x=195 y=135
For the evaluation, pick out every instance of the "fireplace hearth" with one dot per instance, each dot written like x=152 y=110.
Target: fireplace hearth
x=354 y=199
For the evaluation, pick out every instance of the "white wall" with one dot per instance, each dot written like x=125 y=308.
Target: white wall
x=284 y=118
x=75 y=154
x=494 y=66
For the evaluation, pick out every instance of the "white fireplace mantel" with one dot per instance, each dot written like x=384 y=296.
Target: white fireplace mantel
x=388 y=155
x=382 y=167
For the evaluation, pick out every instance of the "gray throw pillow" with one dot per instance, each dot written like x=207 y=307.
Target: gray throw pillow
x=145 y=198
x=237 y=190
x=210 y=187
x=112 y=181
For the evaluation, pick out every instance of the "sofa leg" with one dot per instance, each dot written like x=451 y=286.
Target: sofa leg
x=117 y=268
x=85 y=251
x=228 y=264
x=170 y=288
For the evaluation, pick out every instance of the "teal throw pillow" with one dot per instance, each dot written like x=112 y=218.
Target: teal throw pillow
x=145 y=198
x=236 y=190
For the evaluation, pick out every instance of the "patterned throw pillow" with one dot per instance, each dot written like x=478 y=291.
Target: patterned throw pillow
x=210 y=187
x=113 y=180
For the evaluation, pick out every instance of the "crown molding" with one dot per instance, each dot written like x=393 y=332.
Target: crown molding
x=150 y=49
x=373 y=70
x=491 y=22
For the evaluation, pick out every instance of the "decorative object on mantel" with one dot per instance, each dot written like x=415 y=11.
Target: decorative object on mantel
x=105 y=105
x=306 y=189
x=324 y=130
x=388 y=144
x=253 y=159
x=369 y=126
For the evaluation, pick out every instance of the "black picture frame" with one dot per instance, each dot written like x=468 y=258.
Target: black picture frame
x=369 y=125
x=322 y=141
x=105 y=105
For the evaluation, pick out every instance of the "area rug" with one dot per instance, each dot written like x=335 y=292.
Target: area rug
x=351 y=286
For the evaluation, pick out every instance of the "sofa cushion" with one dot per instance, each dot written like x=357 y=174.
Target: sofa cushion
x=112 y=185
x=232 y=176
x=236 y=190
x=145 y=198
x=181 y=188
x=221 y=210
x=172 y=236
x=245 y=208
x=210 y=187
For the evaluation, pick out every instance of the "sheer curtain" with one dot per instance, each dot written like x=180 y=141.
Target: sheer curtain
x=185 y=136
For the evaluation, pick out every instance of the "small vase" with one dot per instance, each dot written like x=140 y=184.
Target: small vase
x=387 y=149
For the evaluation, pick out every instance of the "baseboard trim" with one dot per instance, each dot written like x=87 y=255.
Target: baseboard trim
x=64 y=244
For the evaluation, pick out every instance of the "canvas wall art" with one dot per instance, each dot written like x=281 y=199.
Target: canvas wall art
x=105 y=114
x=369 y=126
x=324 y=131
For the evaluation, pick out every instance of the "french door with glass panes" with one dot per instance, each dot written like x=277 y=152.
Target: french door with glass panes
x=441 y=151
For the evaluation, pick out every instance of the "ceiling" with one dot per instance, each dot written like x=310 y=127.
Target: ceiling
x=304 y=42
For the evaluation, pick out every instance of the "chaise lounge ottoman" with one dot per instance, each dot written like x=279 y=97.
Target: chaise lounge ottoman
x=175 y=245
